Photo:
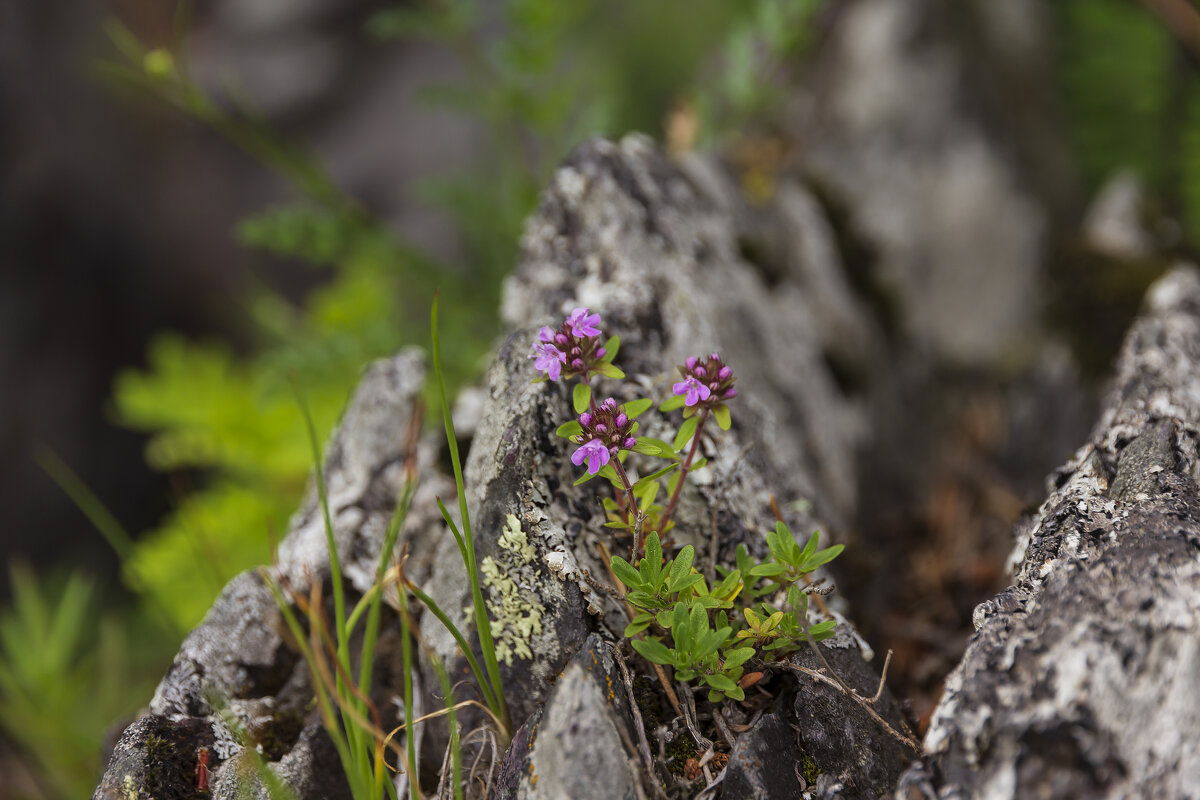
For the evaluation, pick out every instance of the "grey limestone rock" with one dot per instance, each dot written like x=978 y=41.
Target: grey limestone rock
x=1082 y=678
x=237 y=661
x=625 y=231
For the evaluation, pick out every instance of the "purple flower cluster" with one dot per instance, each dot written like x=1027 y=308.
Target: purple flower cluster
x=571 y=350
x=706 y=382
x=606 y=432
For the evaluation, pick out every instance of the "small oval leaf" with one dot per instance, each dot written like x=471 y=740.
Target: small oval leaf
x=581 y=397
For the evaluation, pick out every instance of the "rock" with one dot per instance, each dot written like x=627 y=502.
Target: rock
x=1113 y=224
x=237 y=661
x=753 y=771
x=1081 y=679
x=580 y=743
x=156 y=757
x=934 y=164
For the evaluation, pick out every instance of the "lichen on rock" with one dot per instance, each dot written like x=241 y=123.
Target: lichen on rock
x=515 y=618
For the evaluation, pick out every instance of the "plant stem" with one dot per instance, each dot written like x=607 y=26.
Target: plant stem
x=638 y=516
x=683 y=471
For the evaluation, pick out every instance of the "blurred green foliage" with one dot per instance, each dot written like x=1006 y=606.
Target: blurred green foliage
x=68 y=674
x=1132 y=101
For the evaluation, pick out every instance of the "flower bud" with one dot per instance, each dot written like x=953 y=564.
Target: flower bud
x=730 y=392
x=630 y=443
x=577 y=363
x=690 y=363
x=585 y=419
x=715 y=357
x=600 y=351
x=601 y=428
x=614 y=449
x=622 y=420
x=560 y=338
x=700 y=373
x=725 y=373
x=609 y=404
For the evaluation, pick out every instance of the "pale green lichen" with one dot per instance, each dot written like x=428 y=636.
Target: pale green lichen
x=515 y=618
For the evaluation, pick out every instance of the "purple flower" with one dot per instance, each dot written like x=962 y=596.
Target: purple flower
x=581 y=323
x=550 y=359
x=694 y=390
x=573 y=349
x=596 y=454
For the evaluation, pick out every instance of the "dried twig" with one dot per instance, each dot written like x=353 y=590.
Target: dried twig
x=882 y=678
x=723 y=726
x=689 y=717
x=839 y=684
x=637 y=712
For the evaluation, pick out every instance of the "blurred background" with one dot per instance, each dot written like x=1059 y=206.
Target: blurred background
x=198 y=200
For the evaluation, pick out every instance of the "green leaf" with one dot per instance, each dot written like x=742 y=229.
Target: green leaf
x=655 y=652
x=680 y=629
x=823 y=629
x=608 y=472
x=767 y=570
x=654 y=557
x=735 y=658
x=645 y=494
x=721 y=415
x=664 y=618
x=711 y=641
x=569 y=429
x=687 y=582
x=685 y=432
x=673 y=402
x=584 y=478
x=699 y=463
x=822 y=557
x=744 y=562
x=810 y=546
x=626 y=573
x=673 y=481
x=611 y=347
x=643 y=599
x=608 y=370
x=681 y=567
x=581 y=397
x=720 y=683
x=726 y=587
x=649 y=446
x=638 y=624
x=635 y=408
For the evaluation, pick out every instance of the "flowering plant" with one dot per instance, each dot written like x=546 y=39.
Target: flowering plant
x=757 y=611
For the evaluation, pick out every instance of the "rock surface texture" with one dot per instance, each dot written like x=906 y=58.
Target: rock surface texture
x=1084 y=677
x=652 y=245
x=653 y=248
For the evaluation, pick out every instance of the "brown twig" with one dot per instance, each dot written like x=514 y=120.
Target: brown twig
x=689 y=718
x=643 y=743
x=882 y=678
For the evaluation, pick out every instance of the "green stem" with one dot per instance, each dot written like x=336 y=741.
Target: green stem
x=638 y=516
x=482 y=621
x=683 y=471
